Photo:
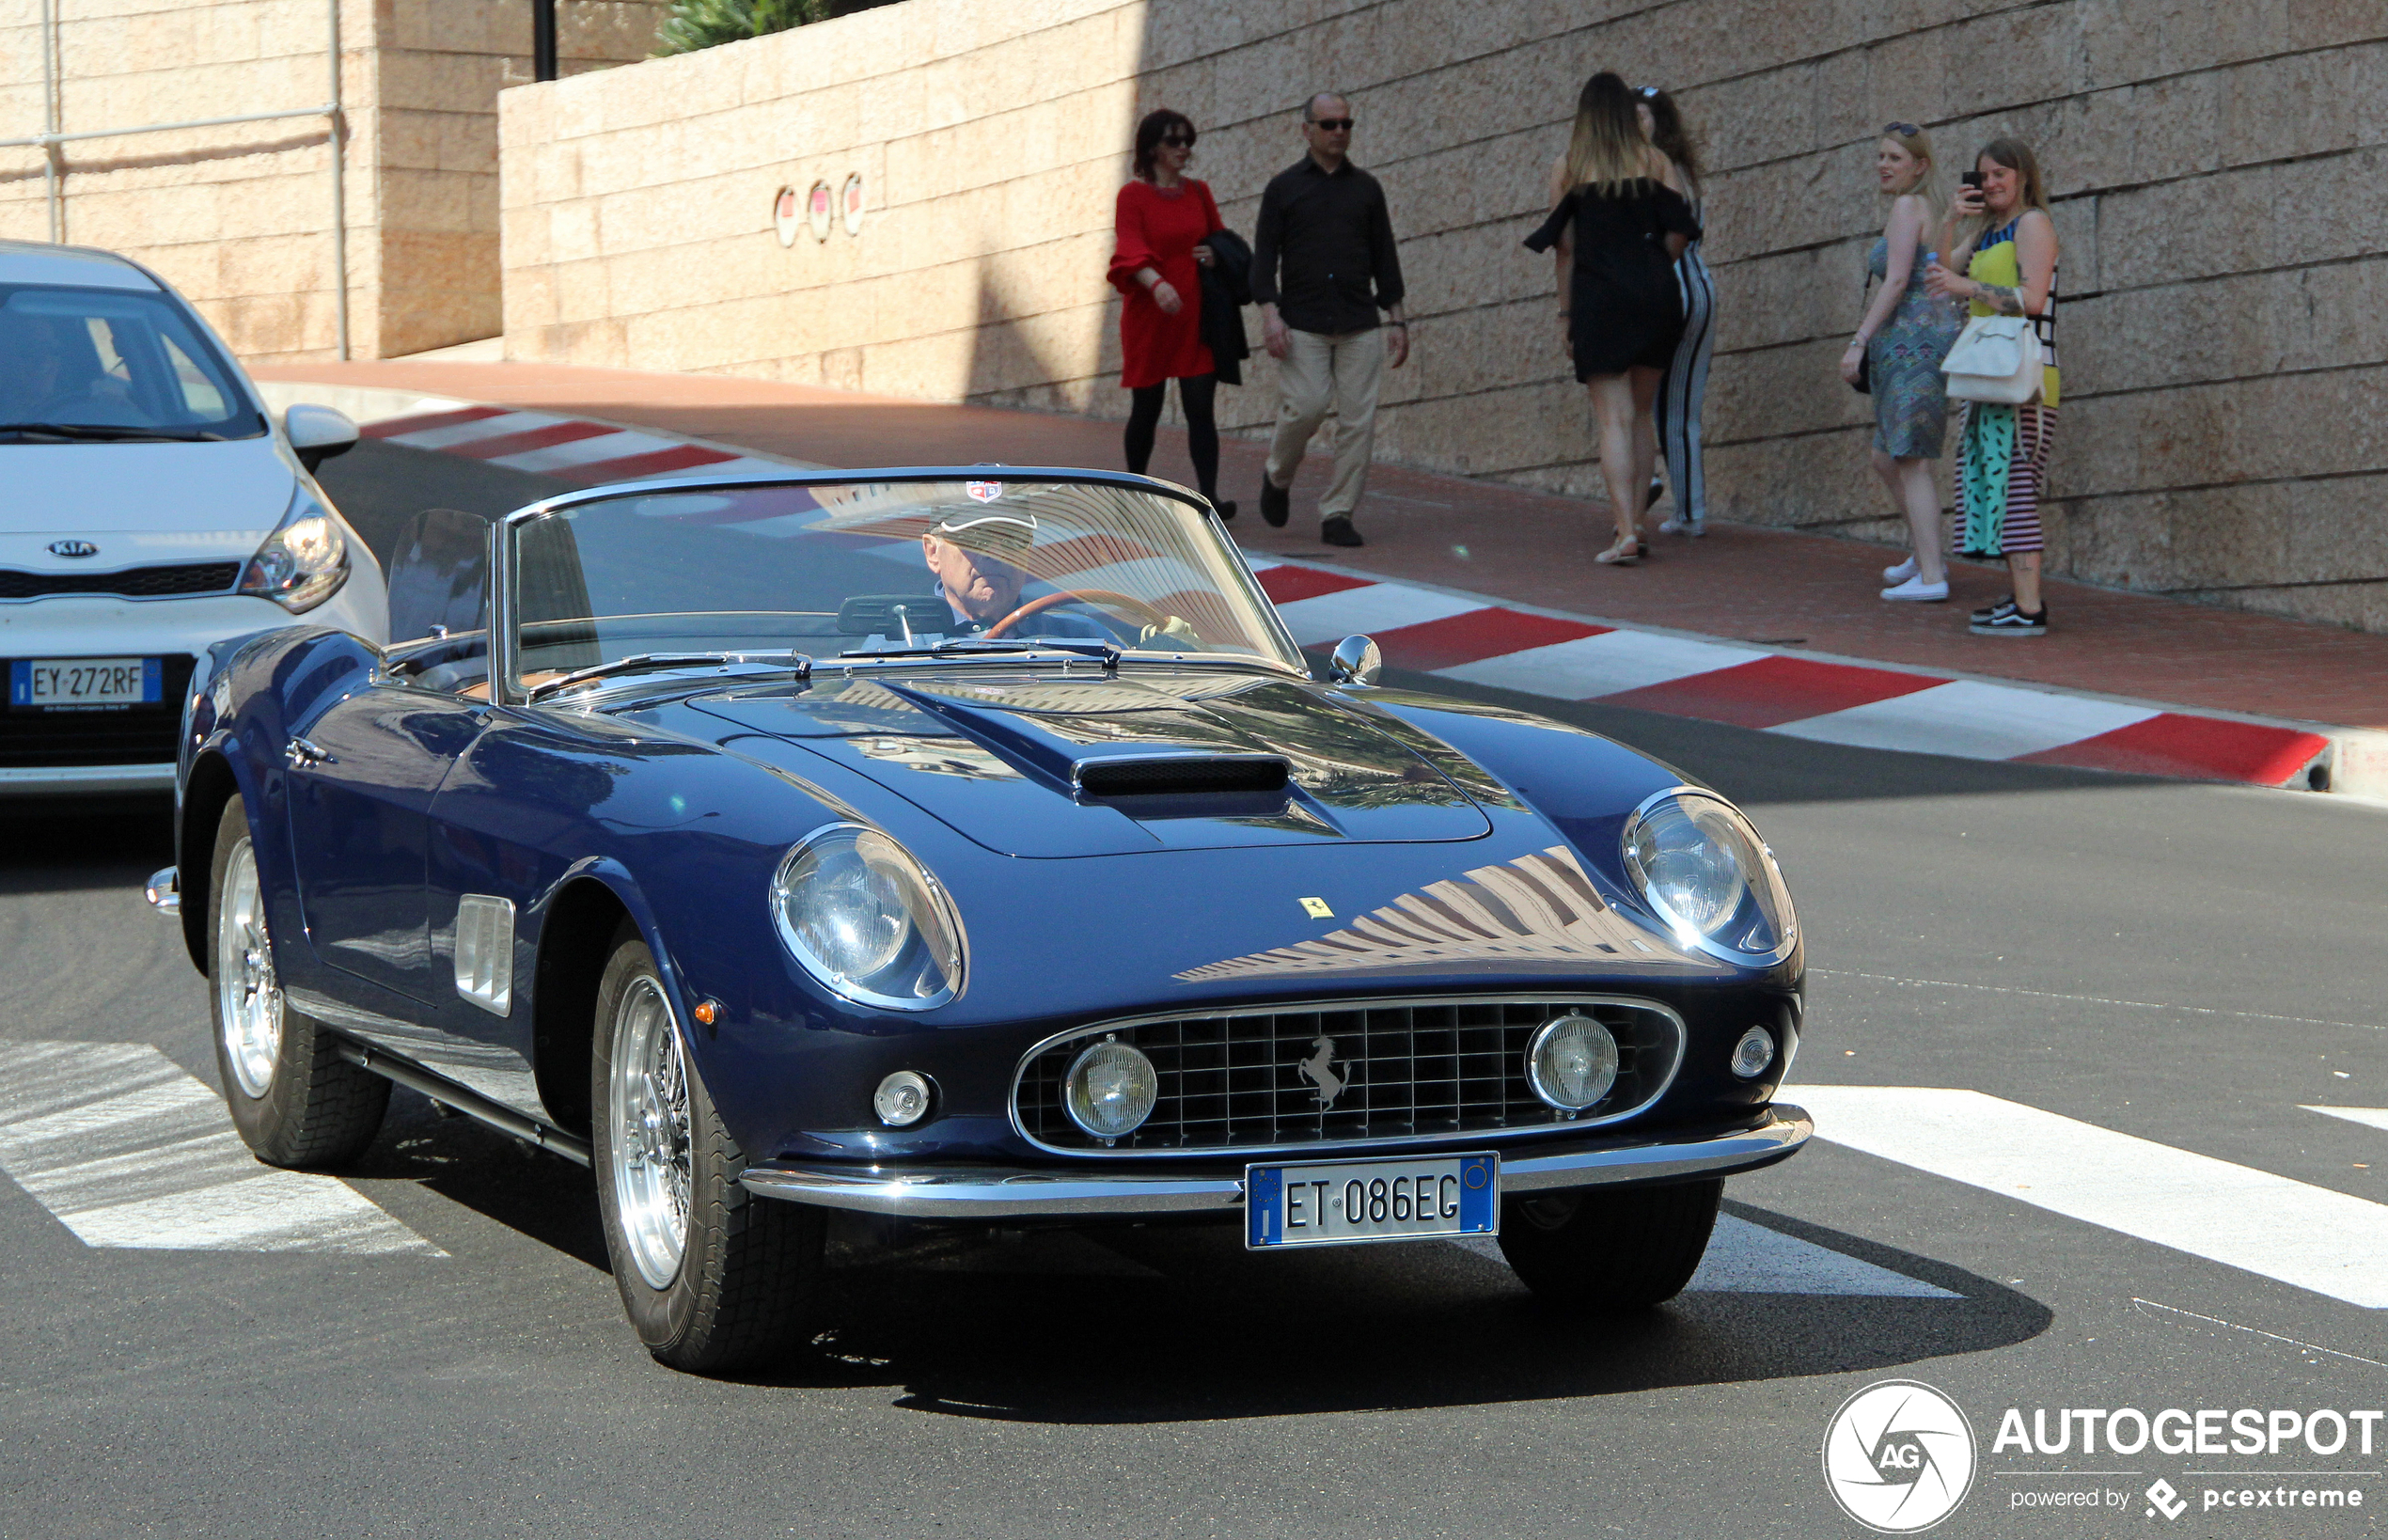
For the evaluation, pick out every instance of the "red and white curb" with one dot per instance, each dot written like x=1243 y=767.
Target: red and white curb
x=568 y=449
x=1480 y=640
x=1483 y=642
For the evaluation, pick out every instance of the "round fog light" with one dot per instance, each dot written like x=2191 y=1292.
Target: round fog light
x=901 y=1099
x=1110 y=1089
x=1572 y=1062
x=1754 y=1053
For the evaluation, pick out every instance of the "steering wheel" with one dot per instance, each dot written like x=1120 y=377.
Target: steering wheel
x=1096 y=596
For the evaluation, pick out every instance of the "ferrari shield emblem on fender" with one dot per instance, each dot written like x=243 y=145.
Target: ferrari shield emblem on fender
x=1316 y=908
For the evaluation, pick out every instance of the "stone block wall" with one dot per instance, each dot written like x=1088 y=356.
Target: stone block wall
x=2216 y=175
x=240 y=217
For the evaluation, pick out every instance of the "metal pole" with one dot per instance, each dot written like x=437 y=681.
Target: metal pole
x=542 y=40
x=50 y=121
x=336 y=140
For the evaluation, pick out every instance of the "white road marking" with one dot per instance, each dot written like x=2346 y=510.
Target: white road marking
x=1746 y=1258
x=2269 y=1225
x=1379 y=606
x=1590 y=666
x=127 y=1150
x=2376 y=1116
x=1968 y=719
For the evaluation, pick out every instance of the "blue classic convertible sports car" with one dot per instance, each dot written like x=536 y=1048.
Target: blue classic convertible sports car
x=969 y=846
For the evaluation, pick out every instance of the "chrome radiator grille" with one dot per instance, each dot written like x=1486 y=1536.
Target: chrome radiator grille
x=1386 y=1071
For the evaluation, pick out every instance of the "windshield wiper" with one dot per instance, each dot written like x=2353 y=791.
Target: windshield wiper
x=1107 y=652
x=111 y=433
x=637 y=662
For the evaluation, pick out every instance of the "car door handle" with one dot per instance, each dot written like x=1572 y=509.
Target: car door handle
x=304 y=752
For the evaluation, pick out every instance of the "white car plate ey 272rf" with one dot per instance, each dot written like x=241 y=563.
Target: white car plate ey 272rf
x=1339 y=1203
x=49 y=683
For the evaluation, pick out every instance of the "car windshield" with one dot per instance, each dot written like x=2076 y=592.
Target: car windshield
x=110 y=364
x=880 y=568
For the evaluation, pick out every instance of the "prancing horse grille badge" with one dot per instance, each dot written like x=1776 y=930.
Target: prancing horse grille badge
x=1318 y=1069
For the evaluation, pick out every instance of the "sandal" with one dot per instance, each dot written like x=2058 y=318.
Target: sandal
x=1625 y=553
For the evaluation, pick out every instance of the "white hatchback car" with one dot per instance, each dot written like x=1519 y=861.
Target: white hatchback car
x=152 y=507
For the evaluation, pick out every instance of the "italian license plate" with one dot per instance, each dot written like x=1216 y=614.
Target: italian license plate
x=1337 y=1202
x=47 y=683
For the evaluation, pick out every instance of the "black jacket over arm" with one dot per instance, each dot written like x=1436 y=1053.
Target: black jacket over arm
x=1322 y=252
x=1227 y=287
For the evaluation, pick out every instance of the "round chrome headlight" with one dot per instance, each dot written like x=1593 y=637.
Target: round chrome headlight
x=1572 y=1062
x=1701 y=867
x=865 y=918
x=1110 y=1089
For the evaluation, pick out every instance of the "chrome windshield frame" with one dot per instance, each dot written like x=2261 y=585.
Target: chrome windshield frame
x=507 y=649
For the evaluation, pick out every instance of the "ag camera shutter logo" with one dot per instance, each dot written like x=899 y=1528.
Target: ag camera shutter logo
x=1899 y=1456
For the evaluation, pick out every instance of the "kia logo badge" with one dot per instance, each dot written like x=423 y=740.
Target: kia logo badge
x=74 y=548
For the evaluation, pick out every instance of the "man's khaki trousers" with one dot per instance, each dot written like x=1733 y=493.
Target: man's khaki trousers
x=1318 y=373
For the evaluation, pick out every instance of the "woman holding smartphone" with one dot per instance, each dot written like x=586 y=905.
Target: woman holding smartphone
x=1898 y=347
x=1618 y=224
x=2000 y=221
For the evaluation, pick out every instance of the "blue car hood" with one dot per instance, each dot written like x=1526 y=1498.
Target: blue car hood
x=997 y=758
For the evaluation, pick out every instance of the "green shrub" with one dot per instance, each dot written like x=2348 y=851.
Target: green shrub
x=701 y=24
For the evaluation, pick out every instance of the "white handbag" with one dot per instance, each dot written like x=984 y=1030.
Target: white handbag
x=1996 y=358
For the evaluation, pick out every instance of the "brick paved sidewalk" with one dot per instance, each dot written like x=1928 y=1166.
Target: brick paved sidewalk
x=1742 y=582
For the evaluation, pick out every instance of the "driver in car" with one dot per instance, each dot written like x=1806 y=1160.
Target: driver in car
x=973 y=556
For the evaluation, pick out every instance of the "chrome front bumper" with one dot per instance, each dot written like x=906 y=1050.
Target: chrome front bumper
x=983 y=1192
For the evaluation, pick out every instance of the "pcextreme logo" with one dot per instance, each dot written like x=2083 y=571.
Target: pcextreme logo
x=1899 y=1456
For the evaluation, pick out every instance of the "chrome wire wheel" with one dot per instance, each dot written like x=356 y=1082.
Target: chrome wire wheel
x=248 y=994
x=647 y=1107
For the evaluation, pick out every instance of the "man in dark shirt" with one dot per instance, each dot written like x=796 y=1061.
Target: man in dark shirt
x=1323 y=265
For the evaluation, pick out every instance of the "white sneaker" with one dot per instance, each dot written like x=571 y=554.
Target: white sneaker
x=1917 y=589
x=1905 y=572
x=1690 y=529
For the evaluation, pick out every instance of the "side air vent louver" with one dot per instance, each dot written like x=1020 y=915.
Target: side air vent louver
x=1180 y=774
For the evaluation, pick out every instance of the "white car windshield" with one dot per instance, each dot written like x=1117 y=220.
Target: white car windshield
x=80 y=364
x=862 y=569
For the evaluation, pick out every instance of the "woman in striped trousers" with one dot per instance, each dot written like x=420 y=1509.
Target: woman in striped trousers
x=1676 y=411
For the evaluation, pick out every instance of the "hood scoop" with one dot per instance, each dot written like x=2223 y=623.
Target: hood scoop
x=1034 y=765
x=1179 y=775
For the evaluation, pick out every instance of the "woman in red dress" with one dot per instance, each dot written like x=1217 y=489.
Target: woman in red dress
x=1163 y=216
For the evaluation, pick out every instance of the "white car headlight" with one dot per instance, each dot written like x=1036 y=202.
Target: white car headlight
x=1702 y=868
x=865 y=918
x=303 y=562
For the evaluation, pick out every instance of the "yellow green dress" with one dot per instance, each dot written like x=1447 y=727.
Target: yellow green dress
x=2001 y=451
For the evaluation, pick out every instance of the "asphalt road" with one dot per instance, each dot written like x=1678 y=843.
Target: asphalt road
x=2189 y=966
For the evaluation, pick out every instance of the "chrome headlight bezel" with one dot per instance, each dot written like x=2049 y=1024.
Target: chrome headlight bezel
x=926 y=961
x=303 y=562
x=1764 y=900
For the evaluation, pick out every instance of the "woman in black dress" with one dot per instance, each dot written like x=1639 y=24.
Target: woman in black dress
x=1618 y=222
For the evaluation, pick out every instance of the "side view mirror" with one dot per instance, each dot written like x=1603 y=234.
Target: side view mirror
x=1356 y=661
x=318 y=434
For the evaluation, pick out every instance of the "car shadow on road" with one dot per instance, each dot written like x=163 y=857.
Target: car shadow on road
x=83 y=844
x=1181 y=1324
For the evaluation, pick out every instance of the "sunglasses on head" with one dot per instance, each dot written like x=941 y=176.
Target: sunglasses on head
x=1177 y=140
x=1332 y=125
x=1909 y=129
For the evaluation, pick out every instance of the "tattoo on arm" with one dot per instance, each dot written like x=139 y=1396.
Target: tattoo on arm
x=2006 y=302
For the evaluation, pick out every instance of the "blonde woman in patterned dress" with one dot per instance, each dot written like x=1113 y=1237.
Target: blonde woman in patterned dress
x=1906 y=334
x=2007 y=239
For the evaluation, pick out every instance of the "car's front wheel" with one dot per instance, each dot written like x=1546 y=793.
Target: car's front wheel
x=712 y=1276
x=294 y=1099
x=1609 y=1250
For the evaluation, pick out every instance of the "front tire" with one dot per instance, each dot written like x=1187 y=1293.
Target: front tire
x=1609 y=1250
x=714 y=1278
x=297 y=1102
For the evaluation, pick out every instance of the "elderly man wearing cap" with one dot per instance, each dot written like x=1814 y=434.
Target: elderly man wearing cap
x=972 y=557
